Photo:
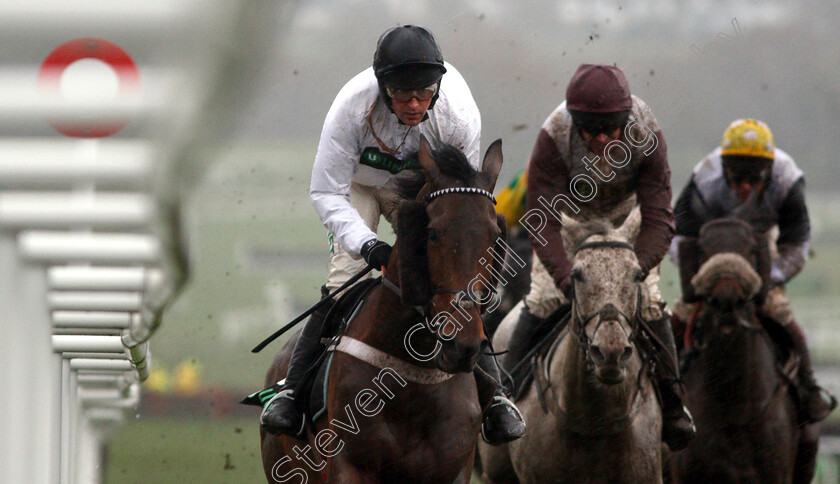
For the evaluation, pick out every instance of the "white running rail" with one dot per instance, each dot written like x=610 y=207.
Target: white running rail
x=90 y=237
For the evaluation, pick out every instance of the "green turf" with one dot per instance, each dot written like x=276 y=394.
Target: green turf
x=190 y=451
x=185 y=450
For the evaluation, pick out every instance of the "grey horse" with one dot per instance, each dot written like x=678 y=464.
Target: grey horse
x=601 y=421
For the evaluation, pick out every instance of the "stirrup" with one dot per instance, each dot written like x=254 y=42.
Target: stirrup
x=288 y=394
x=500 y=401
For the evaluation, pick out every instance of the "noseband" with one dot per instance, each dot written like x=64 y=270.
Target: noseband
x=609 y=309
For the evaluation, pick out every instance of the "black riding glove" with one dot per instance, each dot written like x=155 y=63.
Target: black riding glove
x=376 y=253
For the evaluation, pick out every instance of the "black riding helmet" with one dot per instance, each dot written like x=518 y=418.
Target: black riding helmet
x=407 y=57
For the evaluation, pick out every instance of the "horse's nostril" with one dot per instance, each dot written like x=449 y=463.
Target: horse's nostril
x=596 y=353
x=626 y=354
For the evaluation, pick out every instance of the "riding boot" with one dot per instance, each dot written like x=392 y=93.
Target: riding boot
x=816 y=402
x=501 y=420
x=519 y=344
x=677 y=424
x=281 y=415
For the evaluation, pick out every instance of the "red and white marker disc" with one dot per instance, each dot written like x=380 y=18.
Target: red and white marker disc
x=49 y=82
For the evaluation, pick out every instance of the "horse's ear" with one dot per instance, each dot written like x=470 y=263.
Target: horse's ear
x=492 y=165
x=412 y=224
x=572 y=232
x=629 y=229
x=424 y=156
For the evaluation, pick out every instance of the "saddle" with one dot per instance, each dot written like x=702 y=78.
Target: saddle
x=311 y=393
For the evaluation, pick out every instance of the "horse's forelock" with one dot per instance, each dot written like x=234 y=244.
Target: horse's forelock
x=454 y=167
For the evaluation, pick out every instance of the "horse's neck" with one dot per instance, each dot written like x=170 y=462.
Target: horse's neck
x=739 y=371
x=386 y=321
x=580 y=395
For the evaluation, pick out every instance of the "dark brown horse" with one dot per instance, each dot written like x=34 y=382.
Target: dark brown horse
x=402 y=400
x=739 y=395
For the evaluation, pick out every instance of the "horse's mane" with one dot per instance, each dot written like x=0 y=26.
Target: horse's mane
x=452 y=164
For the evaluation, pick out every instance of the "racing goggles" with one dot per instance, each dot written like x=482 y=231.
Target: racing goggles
x=597 y=123
x=753 y=177
x=745 y=169
x=405 y=95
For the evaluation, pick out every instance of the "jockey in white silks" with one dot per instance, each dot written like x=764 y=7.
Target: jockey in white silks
x=371 y=137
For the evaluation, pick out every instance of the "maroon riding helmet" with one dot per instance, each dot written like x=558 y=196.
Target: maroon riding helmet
x=598 y=95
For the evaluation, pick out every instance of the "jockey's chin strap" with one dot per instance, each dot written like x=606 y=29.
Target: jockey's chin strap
x=462 y=303
x=583 y=321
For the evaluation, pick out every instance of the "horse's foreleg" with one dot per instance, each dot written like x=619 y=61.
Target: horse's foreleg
x=343 y=472
x=466 y=473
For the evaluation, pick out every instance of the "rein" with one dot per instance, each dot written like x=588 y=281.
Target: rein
x=619 y=423
x=786 y=371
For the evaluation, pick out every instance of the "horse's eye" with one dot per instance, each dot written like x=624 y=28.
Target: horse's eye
x=434 y=237
x=638 y=276
x=577 y=275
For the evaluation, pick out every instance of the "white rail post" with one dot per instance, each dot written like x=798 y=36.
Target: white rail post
x=27 y=371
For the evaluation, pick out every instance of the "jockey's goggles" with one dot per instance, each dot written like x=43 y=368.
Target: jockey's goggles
x=746 y=176
x=597 y=123
x=405 y=95
x=746 y=169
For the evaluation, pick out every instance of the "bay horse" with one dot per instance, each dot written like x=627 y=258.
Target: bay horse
x=591 y=410
x=402 y=401
x=741 y=398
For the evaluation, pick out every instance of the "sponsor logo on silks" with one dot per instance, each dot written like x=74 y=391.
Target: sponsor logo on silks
x=374 y=158
x=331 y=239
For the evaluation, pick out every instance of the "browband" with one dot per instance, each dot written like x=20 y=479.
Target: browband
x=478 y=191
x=605 y=243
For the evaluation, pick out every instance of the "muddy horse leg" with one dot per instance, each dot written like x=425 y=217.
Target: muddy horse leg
x=806 y=454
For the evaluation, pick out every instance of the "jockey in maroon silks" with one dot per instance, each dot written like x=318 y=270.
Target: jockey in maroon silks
x=599 y=155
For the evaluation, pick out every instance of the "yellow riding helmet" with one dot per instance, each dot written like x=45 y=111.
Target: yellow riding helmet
x=748 y=137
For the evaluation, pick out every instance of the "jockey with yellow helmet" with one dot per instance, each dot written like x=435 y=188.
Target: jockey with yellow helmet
x=748 y=166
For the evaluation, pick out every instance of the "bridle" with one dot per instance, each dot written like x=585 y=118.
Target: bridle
x=462 y=303
x=582 y=321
